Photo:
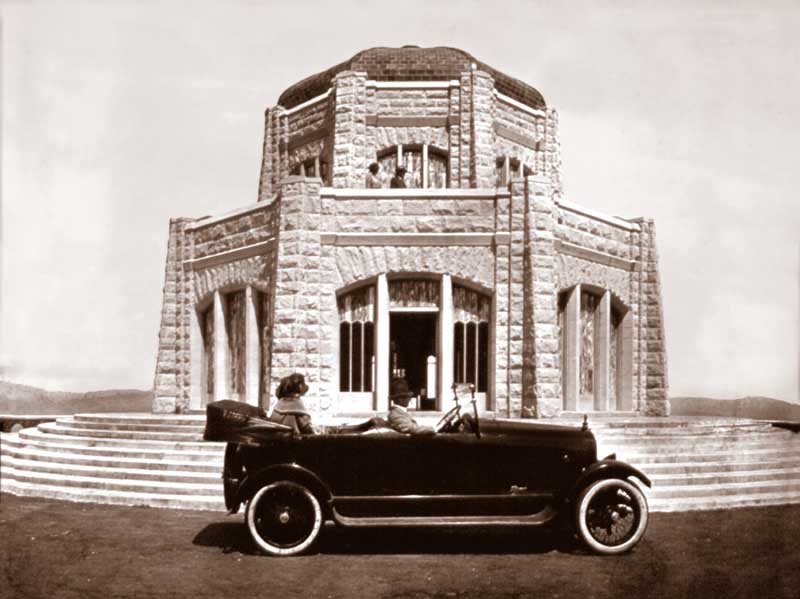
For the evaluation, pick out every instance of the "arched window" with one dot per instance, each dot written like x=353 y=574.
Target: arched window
x=426 y=165
x=357 y=340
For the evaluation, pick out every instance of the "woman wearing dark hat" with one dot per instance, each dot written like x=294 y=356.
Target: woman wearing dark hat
x=399 y=177
x=399 y=418
x=290 y=409
x=374 y=179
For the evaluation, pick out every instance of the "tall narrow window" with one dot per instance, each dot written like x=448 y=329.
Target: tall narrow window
x=235 y=325
x=207 y=324
x=588 y=305
x=471 y=316
x=356 y=340
x=262 y=316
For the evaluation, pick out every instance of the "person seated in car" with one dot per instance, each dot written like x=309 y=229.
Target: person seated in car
x=290 y=410
x=399 y=418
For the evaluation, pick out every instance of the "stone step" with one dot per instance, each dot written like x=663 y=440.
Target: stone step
x=724 y=501
x=60 y=429
x=687 y=491
x=666 y=432
x=737 y=463
x=725 y=455
x=695 y=444
x=171 y=487
x=125 y=426
x=788 y=474
x=213 y=502
x=142 y=419
x=110 y=473
x=97 y=441
x=106 y=461
x=135 y=449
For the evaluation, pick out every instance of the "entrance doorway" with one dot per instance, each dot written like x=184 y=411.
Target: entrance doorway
x=412 y=341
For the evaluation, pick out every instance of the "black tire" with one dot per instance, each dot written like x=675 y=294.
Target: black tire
x=284 y=518
x=611 y=516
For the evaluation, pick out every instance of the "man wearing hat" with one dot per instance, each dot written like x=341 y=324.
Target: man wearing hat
x=399 y=418
x=290 y=409
x=399 y=177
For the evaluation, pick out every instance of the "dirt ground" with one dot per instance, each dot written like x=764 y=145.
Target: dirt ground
x=59 y=549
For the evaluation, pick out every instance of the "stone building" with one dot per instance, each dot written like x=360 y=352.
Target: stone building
x=479 y=271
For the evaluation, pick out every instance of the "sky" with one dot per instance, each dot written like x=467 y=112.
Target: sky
x=117 y=116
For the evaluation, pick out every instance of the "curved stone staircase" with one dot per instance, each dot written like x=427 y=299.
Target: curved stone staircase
x=161 y=461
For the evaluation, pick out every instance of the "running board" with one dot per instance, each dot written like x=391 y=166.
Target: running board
x=538 y=519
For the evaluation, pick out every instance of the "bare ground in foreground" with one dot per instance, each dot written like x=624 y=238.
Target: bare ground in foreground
x=59 y=549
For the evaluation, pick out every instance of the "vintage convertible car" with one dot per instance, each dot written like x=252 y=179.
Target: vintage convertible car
x=473 y=472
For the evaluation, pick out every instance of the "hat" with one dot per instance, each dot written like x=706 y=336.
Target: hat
x=400 y=170
x=399 y=389
x=293 y=385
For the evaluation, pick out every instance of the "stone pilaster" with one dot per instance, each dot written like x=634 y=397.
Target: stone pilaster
x=297 y=335
x=350 y=129
x=454 y=135
x=516 y=303
x=501 y=310
x=542 y=372
x=483 y=135
x=552 y=152
x=653 y=352
x=267 y=160
x=171 y=387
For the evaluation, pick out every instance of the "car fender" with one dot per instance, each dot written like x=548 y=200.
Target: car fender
x=608 y=468
x=290 y=471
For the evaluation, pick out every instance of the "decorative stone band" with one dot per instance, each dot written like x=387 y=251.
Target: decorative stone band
x=594 y=256
x=519 y=105
x=611 y=220
x=413 y=121
x=413 y=193
x=413 y=84
x=248 y=251
x=306 y=138
x=415 y=239
x=511 y=135
x=207 y=221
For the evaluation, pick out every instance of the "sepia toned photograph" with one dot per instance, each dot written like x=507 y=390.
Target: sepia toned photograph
x=431 y=300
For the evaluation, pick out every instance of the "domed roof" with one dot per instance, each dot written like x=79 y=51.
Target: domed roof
x=410 y=63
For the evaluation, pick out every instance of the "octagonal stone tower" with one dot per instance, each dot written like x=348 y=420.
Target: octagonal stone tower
x=476 y=271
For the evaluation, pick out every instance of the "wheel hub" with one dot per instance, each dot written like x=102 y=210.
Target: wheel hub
x=284 y=517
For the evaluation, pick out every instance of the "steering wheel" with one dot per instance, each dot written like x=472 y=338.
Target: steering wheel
x=449 y=419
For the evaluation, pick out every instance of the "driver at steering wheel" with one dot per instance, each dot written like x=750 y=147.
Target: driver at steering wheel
x=399 y=418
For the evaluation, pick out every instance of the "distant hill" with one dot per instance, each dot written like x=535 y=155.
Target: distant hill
x=23 y=399
x=759 y=408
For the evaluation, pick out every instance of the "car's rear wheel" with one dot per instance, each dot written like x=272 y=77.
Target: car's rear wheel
x=284 y=518
x=611 y=516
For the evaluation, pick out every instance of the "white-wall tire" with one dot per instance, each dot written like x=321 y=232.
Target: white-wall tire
x=284 y=518
x=620 y=507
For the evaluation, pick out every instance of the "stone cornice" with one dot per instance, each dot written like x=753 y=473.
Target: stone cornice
x=577 y=251
x=248 y=251
x=414 y=193
x=519 y=105
x=307 y=103
x=207 y=221
x=521 y=139
x=611 y=220
x=415 y=239
x=412 y=121
x=413 y=84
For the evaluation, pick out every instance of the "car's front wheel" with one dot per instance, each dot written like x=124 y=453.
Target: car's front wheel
x=611 y=516
x=284 y=518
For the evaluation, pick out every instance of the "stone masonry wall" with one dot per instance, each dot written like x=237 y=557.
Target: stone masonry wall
x=414 y=215
x=297 y=327
x=237 y=232
x=412 y=102
x=350 y=129
x=649 y=330
x=542 y=367
x=171 y=387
